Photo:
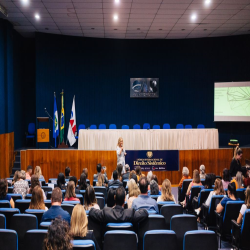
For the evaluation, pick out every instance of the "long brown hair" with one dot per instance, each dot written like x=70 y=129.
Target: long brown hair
x=37 y=201
x=89 y=197
x=3 y=188
x=196 y=176
x=100 y=180
x=79 y=222
x=166 y=192
x=247 y=200
x=34 y=182
x=218 y=187
x=70 y=192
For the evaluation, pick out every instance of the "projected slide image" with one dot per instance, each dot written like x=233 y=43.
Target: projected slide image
x=232 y=101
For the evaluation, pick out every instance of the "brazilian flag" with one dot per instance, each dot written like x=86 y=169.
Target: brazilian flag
x=62 y=121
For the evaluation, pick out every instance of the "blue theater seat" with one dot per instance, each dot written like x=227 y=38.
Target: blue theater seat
x=8 y=239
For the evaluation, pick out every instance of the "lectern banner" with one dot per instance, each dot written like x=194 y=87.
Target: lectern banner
x=153 y=160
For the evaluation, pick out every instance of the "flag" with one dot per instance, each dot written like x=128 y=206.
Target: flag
x=55 y=121
x=72 y=124
x=62 y=120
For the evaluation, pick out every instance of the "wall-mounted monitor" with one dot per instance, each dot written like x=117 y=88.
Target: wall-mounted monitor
x=144 y=87
x=232 y=101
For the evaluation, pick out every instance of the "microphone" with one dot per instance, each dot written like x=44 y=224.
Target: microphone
x=45 y=109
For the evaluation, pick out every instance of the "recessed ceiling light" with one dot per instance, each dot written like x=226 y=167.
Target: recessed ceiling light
x=47 y=28
x=92 y=28
x=138 y=28
x=37 y=16
x=117 y=1
x=207 y=2
x=193 y=17
x=115 y=17
x=115 y=29
x=160 y=29
x=25 y=2
x=182 y=29
x=205 y=29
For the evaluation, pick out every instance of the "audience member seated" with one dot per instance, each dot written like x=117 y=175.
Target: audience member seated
x=133 y=192
x=21 y=186
x=115 y=182
x=132 y=175
x=79 y=226
x=4 y=191
x=90 y=199
x=126 y=175
x=100 y=181
x=85 y=171
x=166 y=192
x=209 y=181
x=238 y=180
x=111 y=197
x=154 y=178
x=247 y=178
x=99 y=171
x=149 y=176
x=118 y=214
x=61 y=181
x=245 y=206
x=35 y=182
x=138 y=172
x=83 y=184
x=29 y=172
x=70 y=192
x=143 y=200
x=38 y=172
x=202 y=172
x=74 y=179
x=67 y=172
x=15 y=177
x=154 y=188
x=218 y=190
x=231 y=193
x=119 y=169
x=58 y=236
x=55 y=210
x=225 y=178
x=37 y=200
x=185 y=175
x=195 y=182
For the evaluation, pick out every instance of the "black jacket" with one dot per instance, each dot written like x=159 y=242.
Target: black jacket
x=235 y=167
x=115 y=183
x=118 y=215
x=125 y=176
x=89 y=236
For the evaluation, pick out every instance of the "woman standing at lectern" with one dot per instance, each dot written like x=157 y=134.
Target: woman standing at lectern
x=121 y=153
x=235 y=163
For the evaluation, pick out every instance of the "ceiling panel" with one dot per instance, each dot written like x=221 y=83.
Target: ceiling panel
x=137 y=19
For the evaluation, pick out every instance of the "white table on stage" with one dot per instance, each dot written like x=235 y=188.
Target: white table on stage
x=153 y=139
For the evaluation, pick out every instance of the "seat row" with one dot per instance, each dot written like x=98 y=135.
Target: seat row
x=179 y=226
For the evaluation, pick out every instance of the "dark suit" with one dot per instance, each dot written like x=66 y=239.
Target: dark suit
x=125 y=176
x=115 y=183
x=118 y=215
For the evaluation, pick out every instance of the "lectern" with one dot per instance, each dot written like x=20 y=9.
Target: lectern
x=42 y=133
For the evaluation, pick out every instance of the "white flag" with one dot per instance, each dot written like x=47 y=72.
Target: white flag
x=72 y=125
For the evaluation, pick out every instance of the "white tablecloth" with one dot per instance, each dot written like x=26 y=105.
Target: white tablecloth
x=141 y=139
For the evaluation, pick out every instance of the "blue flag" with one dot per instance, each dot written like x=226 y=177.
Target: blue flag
x=55 y=121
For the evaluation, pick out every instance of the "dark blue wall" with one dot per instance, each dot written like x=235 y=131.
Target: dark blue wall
x=98 y=71
x=17 y=82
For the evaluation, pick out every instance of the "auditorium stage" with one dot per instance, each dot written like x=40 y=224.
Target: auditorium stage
x=53 y=161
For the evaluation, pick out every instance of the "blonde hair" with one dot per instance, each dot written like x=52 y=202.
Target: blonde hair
x=38 y=171
x=166 y=193
x=237 y=151
x=247 y=200
x=218 y=187
x=196 y=176
x=79 y=222
x=100 y=180
x=133 y=189
x=239 y=179
x=120 y=139
x=21 y=175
